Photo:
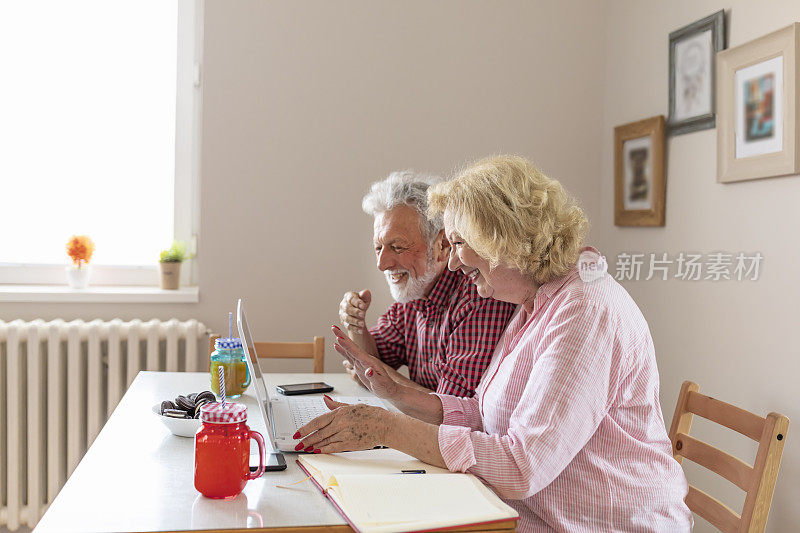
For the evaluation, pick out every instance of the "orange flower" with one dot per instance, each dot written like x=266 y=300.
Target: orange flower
x=80 y=249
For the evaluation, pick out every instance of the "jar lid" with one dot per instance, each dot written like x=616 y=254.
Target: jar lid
x=228 y=343
x=232 y=413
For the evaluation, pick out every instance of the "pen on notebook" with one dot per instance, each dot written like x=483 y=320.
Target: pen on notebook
x=412 y=471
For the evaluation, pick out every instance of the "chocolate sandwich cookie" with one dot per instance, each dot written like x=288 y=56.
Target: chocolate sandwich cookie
x=200 y=403
x=166 y=404
x=185 y=403
x=207 y=394
x=192 y=396
x=174 y=413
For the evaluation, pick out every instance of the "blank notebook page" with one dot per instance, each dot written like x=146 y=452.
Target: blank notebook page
x=416 y=498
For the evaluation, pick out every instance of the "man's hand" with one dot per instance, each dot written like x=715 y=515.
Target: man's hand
x=353 y=311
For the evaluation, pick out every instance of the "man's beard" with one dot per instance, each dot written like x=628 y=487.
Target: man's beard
x=414 y=287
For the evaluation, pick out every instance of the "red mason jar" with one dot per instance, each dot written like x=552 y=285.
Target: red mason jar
x=222 y=451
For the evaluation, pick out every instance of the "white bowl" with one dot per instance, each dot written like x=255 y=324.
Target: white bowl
x=182 y=427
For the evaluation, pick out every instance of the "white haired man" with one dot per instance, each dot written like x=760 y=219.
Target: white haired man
x=438 y=326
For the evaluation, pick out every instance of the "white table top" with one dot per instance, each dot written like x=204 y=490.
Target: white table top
x=137 y=476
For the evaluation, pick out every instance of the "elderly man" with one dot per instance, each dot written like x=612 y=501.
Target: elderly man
x=439 y=327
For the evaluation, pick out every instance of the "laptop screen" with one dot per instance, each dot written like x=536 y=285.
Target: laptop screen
x=256 y=378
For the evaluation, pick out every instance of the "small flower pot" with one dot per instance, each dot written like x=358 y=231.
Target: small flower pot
x=78 y=277
x=170 y=275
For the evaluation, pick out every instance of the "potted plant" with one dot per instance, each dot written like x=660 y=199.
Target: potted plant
x=170 y=265
x=80 y=249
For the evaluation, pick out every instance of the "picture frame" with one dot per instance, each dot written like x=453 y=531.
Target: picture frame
x=692 y=74
x=759 y=108
x=639 y=173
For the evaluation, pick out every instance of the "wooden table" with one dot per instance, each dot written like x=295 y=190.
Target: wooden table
x=137 y=476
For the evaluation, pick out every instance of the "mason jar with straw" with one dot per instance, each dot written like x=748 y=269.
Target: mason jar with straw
x=222 y=448
x=229 y=356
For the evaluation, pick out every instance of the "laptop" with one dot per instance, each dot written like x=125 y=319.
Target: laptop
x=284 y=415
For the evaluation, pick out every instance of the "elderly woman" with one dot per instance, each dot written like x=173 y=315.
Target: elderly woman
x=566 y=424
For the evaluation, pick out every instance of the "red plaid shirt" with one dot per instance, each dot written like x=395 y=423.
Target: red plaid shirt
x=447 y=340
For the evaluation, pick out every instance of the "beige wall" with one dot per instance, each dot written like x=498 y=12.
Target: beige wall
x=735 y=339
x=307 y=102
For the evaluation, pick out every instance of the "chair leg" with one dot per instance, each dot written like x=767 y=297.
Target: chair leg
x=758 y=502
x=319 y=355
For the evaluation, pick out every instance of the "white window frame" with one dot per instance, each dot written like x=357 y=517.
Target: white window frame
x=187 y=175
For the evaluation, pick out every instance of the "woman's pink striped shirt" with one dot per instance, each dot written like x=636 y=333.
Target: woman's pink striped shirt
x=566 y=424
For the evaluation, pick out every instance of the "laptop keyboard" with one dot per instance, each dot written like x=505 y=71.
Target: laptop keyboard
x=304 y=410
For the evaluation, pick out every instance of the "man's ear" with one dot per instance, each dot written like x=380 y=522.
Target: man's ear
x=441 y=247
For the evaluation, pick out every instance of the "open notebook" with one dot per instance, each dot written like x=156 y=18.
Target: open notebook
x=373 y=496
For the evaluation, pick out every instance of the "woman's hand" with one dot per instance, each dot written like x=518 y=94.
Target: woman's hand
x=345 y=428
x=351 y=371
x=369 y=369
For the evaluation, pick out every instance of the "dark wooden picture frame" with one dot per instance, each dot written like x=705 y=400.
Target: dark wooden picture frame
x=706 y=70
x=639 y=173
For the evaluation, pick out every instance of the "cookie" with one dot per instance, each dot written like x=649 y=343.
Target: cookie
x=166 y=404
x=185 y=403
x=174 y=413
x=192 y=396
x=200 y=403
x=207 y=394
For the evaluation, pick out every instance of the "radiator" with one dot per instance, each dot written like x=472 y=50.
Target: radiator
x=59 y=383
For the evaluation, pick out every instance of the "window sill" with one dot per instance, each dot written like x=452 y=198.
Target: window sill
x=100 y=294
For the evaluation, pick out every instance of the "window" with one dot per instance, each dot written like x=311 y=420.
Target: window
x=98 y=136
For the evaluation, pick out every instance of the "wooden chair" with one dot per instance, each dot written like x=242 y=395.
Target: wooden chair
x=758 y=481
x=288 y=350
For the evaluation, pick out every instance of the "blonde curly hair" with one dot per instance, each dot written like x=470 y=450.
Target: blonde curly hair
x=509 y=212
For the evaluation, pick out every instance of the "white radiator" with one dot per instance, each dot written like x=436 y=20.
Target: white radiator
x=59 y=382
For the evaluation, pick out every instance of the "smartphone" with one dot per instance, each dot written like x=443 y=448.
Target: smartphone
x=304 y=388
x=275 y=462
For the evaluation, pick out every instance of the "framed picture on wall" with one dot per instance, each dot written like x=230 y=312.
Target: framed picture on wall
x=639 y=177
x=692 y=58
x=759 y=108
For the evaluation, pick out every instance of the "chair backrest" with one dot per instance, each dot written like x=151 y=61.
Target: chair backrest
x=288 y=350
x=758 y=480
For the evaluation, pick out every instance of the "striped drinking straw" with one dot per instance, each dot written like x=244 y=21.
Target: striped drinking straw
x=221 y=372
